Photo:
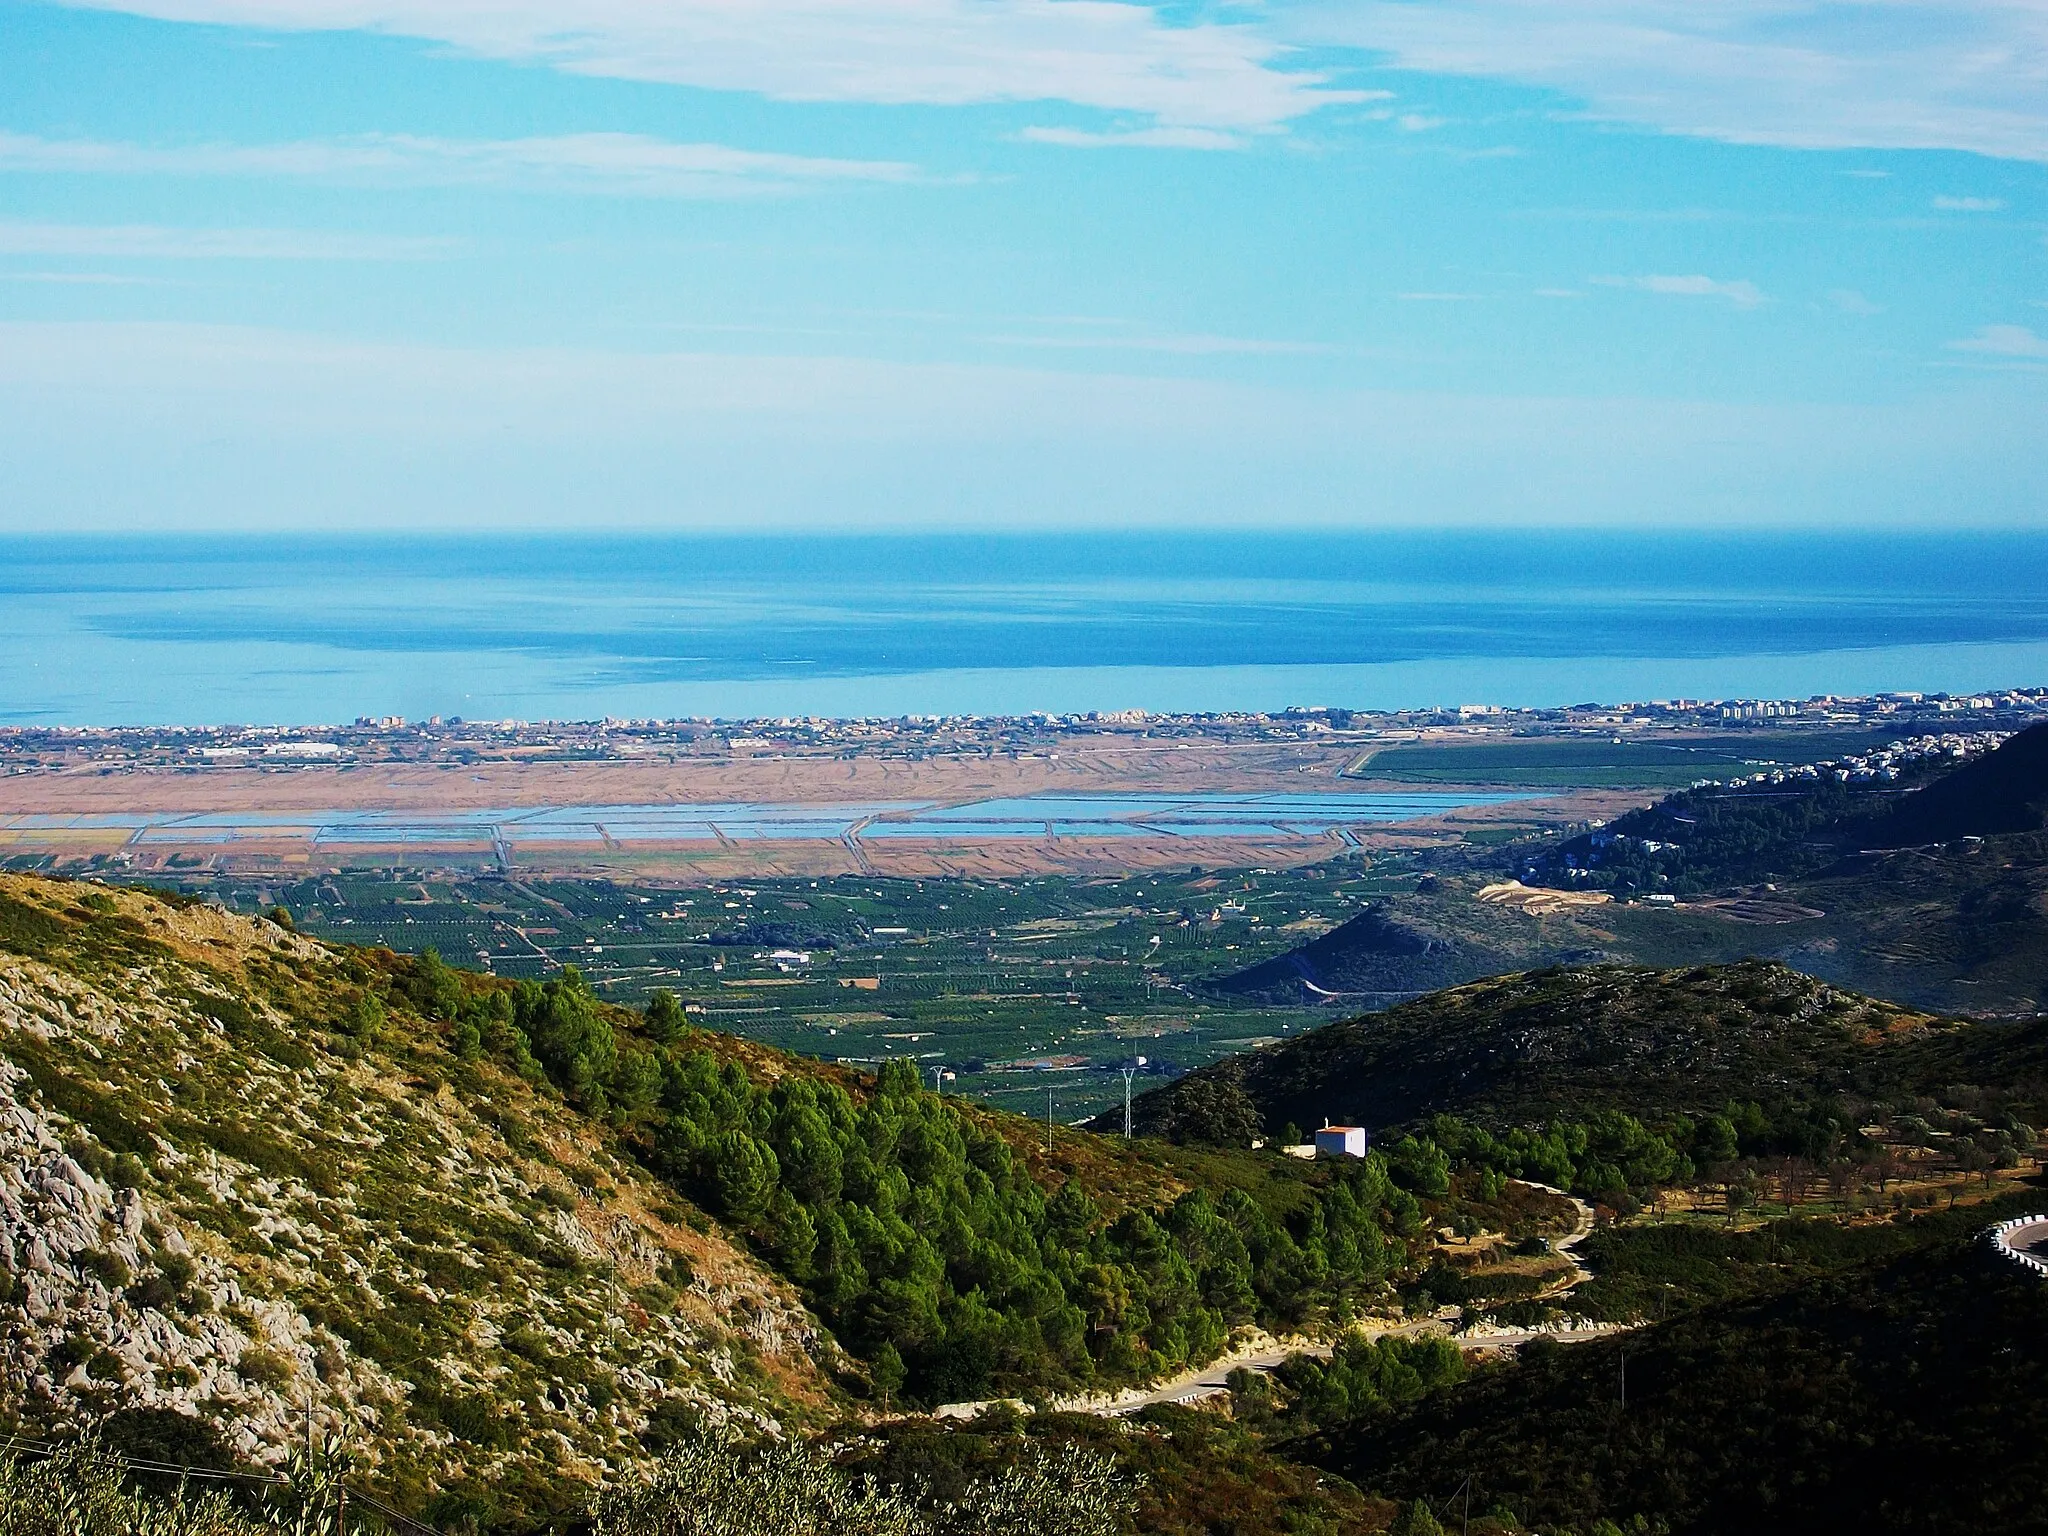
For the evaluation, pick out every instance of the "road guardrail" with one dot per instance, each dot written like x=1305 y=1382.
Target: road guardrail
x=1997 y=1236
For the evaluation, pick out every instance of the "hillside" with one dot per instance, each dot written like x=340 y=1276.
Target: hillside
x=2002 y=793
x=1900 y=1394
x=1522 y=1049
x=1382 y=950
x=1787 y=827
x=509 y=1237
x=231 y=1188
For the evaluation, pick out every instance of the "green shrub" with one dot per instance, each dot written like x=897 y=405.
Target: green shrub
x=80 y=1491
x=707 y=1489
x=263 y=1367
x=110 y=1269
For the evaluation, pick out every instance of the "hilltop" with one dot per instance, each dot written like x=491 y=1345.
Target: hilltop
x=1387 y=948
x=1569 y=1041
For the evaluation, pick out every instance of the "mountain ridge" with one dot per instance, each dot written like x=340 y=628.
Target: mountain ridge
x=1524 y=1048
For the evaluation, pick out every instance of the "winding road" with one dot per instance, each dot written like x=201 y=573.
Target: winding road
x=2024 y=1239
x=1270 y=1353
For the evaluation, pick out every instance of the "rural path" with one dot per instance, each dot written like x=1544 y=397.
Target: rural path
x=1269 y=1354
x=1569 y=1246
x=1186 y=1387
x=1515 y=1338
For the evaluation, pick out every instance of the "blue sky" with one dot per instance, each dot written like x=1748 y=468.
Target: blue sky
x=999 y=263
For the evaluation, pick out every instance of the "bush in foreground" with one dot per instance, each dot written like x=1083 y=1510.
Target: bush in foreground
x=700 y=1489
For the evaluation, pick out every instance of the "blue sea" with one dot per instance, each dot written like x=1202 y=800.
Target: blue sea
x=227 y=629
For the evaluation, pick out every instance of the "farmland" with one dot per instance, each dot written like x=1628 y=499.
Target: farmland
x=1032 y=992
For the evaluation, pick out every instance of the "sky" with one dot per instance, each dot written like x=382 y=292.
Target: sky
x=871 y=264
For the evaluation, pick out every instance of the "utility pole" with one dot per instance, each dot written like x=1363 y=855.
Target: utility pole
x=1129 y=1073
x=939 y=1079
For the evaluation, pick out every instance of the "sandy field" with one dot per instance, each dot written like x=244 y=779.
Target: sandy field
x=1085 y=768
x=1149 y=766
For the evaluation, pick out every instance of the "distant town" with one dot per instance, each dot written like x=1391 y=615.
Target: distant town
x=394 y=738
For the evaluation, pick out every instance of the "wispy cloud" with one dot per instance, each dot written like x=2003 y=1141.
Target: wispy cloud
x=82 y=279
x=1740 y=292
x=1896 y=74
x=1850 y=302
x=1115 y=57
x=2004 y=341
x=1969 y=204
x=1195 y=345
x=1136 y=138
x=614 y=163
x=159 y=242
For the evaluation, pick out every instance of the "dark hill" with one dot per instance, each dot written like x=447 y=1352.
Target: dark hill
x=1522 y=1049
x=2003 y=792
x=1901 y=1395
x=1376 y=952
x=1716 y=837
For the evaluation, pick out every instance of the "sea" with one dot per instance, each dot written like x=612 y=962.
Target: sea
x=296 y=630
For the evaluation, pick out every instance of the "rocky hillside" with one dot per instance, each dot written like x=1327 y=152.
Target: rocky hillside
x=240 y=1182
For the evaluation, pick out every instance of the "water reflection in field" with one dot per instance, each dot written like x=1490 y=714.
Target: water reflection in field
x=1201 y=815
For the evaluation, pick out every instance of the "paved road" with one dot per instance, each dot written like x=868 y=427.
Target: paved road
x=2025 y=1240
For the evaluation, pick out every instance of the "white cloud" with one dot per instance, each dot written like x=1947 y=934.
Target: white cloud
x=1093 y=53
x=2004 y=341
x=1850 y=302
x=158 y=242
x=1741 y=292
x=618 y=163
x=1820 y=74
x=1969 y=204
x=1417 y=122
x=1135 y=138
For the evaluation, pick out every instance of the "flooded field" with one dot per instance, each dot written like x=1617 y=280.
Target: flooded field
x=507 y=828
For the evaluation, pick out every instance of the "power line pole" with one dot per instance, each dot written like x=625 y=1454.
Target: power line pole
x=1129 y=1073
